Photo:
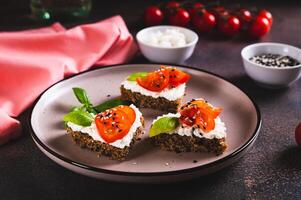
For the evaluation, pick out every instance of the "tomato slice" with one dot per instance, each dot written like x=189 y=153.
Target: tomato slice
x=176 y=76
x=207 y=108
x=129 y=112
x=155 y=81
x=200 y=114
x=205 y=122
x=188 y=115
x=113 y=124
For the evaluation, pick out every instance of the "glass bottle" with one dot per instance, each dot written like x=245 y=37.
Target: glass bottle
x=60 y=9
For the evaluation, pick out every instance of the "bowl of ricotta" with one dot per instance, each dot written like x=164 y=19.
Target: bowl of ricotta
x=167 y=44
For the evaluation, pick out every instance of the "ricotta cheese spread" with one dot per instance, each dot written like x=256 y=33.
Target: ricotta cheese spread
x=125 y=141
x=167 y=38
x=170 y=94
x=218 y=132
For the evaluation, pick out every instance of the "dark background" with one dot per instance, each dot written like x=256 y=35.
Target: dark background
x=271 y=169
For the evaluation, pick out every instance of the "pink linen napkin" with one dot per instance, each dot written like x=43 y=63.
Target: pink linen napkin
x=31 y=61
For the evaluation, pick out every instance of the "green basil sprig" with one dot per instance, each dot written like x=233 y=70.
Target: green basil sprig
x=110 y=104
x=134 y=76
x=79 y=117
x=82 y=97
x=84 y=115
x=164 y=125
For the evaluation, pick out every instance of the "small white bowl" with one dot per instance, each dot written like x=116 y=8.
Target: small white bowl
x=166 y=54
x=273 y=77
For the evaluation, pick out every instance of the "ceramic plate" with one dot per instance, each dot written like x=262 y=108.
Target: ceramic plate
x=145 y=162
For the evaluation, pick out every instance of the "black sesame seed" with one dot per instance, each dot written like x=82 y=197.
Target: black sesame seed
x=274 y=60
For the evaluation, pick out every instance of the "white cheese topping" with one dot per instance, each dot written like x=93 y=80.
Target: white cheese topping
x=125 y=141
x=171 y=94
x=167 y=38
x=218 y=132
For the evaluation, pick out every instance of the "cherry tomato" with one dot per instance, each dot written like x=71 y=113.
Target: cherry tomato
x=219 y=9
x=176 y=76
x=209 y=109
x=205 y=122
x=179 y=18
x=260 y=27
x=153 y=16
x=193 y=9
x=266 y=14
x=219 y=12
x=244 y=16
x=229 y=26
x=204 y=21
x=200 y=114
x=188 y=115
x=113 y=124
x=155 y=81
x=173 y=5
x=298 y=134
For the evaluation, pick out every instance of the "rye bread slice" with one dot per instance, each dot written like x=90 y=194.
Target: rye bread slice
x=143 y=101
x=179 y=144
x=104 y=149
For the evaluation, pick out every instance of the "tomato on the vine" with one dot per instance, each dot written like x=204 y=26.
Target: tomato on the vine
x=195 y=8
x=153 y=16
x=204 y=21
x=229 y=26
x=172 y=5
x=259 y=27
x=219 y=12
x=266 y=14
x=244 y=16
x=179 y=18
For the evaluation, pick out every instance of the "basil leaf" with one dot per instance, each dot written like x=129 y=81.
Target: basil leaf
x=79 y=117
x=164 y=125
x=77 y=109
x=81 y=96
x=134 y=76
x=110 y=104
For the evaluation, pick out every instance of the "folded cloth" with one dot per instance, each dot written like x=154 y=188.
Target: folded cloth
x=31 y=61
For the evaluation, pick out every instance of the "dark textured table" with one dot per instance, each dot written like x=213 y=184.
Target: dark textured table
x=271 y=169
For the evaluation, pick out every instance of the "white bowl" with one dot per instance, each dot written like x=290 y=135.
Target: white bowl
x=166 y=54
x=274 y=77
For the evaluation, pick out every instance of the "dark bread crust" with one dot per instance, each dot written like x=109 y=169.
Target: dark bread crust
x=104 y=149
x=143 y=101
x=178 y=143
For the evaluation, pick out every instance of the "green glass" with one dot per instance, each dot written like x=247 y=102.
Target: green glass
x=60 y=9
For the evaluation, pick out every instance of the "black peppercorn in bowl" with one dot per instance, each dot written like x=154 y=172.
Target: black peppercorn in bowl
x=272 y=65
